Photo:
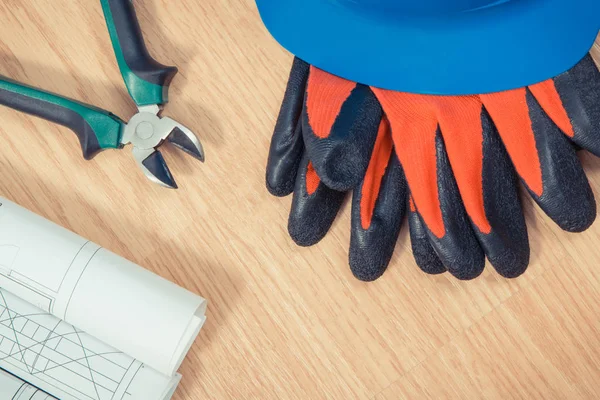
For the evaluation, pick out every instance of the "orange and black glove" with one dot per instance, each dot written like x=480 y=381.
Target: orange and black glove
x=324 y=138
x=461 y=156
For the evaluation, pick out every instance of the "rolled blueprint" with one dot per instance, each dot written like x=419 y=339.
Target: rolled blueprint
x=88 y=292
x=14 y=388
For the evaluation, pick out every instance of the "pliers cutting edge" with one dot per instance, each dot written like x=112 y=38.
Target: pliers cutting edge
x=147 y=82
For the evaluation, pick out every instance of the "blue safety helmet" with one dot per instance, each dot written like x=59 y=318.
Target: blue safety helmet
x=436 y=46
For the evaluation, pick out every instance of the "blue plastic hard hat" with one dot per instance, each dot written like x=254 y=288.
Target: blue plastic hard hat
x=436 y=46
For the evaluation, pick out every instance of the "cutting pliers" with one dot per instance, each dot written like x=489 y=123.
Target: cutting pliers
x=147 y=82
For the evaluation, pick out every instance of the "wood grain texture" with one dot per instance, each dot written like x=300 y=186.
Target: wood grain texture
x=283 y=322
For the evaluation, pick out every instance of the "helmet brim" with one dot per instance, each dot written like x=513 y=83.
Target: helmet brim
x=508 y=45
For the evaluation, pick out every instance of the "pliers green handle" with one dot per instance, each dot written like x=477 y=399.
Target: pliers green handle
x=146 y=79
x=147 y=82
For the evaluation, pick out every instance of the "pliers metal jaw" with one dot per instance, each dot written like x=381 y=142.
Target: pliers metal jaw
x=146 y=131
x=147 y=82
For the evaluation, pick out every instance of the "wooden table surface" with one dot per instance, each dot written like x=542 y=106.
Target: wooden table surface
x=283 y=322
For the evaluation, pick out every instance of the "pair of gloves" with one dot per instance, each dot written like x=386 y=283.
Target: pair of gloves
x=452 y=164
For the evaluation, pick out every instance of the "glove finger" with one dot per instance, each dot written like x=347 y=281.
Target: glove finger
x=420 y=147
x=314 y=206
x=378 y=205
x=458 y=249
x=507 y=243
x=487 y=183
x=287 y=146
x=423 y=252
x=340 y=123
x=571 y=100
x=544 y=158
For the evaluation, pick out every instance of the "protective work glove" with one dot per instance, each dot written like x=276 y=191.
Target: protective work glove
x=461 y=156
x=348 y=141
